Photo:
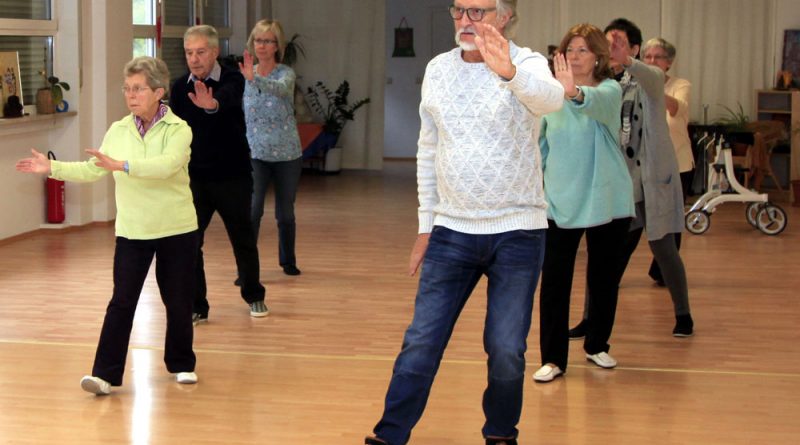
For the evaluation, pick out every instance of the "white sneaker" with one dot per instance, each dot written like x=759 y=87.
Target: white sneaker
x=95 y=385
x=547 y=373
x=602 y=359
x=187 y=378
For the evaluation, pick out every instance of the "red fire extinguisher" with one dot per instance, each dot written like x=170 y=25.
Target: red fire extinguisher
x=55 y=197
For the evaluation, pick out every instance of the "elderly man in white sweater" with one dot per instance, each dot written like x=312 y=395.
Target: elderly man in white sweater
x=482 y=212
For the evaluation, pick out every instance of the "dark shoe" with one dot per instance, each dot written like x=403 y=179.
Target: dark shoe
x=238 y=282
x=291 y=269
x=579 y=331
x=684 y=326
x=373 y=441
x=501 y=441
x=199 y=318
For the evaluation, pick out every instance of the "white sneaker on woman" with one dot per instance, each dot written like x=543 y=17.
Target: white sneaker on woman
x=186 y=378
x=547 y=373
x=95 y=385
x=602 y=359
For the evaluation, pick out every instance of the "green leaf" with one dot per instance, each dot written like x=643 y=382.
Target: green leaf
x=58 y=95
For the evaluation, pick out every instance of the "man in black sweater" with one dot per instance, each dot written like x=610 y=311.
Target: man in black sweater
x=209 y=98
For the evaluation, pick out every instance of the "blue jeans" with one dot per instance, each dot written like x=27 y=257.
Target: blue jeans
x=453 y=264
x=285 y=177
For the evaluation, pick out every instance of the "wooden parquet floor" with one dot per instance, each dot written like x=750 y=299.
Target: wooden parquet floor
x=316 y=370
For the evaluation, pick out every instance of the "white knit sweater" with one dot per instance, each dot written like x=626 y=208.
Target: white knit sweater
x=478 y=162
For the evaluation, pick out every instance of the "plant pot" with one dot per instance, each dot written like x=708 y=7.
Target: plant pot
x=44 y=102
x=333 y=160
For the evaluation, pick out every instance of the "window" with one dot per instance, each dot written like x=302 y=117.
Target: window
x=144 y=12
x=215 y=13
x=26 y=27
x=25 y=9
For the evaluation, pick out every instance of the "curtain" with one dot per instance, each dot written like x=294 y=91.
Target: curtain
x=344 y=40
x=726 y=48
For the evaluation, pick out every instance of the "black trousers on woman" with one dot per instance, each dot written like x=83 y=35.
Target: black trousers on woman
x=605 y=249
x=175 y=262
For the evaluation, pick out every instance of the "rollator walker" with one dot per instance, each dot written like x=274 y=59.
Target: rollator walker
x=724 y=187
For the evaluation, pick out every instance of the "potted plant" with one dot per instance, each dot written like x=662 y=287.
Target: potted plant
x=51 y=96
x=335 y=110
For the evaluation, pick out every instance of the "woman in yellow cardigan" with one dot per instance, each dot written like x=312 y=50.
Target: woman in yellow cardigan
x=148 y=154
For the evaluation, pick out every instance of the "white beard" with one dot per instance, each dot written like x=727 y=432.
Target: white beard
x=466 y=46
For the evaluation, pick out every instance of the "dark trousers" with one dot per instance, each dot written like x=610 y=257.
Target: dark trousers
x=231 y=199
x=175 y=262
x=605 y=251
x=285 y=177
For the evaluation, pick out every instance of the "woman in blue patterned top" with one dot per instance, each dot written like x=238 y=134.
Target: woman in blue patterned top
x=272 y=133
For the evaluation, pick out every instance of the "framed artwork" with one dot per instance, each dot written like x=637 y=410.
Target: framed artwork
x=10 y=82
x=791 y=55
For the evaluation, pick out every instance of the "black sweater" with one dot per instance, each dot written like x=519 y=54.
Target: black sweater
x=219 y=144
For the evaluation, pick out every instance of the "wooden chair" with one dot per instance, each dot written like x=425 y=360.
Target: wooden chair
x=753 y=160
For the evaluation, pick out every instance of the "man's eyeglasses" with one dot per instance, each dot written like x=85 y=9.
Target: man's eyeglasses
x=264 y=41
x=474 y=14
x=656 y=57
x=135 y=90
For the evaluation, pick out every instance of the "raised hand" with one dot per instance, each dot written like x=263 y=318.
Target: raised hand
x=203 y=96
x=563 y=72
x=494 y=50
x=246 y=67
x=36 y=164
x=620 y=48
x=106 y=162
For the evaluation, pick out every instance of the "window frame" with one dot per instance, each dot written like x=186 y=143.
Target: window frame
x=35 y=28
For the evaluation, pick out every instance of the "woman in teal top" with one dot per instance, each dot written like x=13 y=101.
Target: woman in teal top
x=272 y=134
x=147 y=152
x=588 y=190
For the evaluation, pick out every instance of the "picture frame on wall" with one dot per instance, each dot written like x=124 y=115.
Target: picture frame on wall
x=10 y=84
x=791 y=57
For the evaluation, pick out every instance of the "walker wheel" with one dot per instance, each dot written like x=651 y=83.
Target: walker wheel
x=752 y=211
x=698 y=222
x=771 y=219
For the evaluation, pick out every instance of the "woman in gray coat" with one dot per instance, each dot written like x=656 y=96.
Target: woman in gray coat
x=648 y=151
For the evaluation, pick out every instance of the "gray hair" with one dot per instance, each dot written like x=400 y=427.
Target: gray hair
x=509 y=7
x=155 y=72
x=263 y=26
x=206 y=31
x=658 y=42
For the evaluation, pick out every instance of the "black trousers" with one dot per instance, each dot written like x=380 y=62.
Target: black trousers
x=231 y=199
x=605 y=251
x=175 y=262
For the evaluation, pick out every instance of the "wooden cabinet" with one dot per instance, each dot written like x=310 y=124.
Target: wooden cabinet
x=783 y=105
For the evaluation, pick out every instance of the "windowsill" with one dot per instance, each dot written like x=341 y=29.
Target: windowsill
x=32 y=123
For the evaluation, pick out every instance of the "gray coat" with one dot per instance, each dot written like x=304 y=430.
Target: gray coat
x=655 y=163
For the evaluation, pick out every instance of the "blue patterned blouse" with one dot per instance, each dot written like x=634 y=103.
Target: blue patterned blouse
x=269 y=112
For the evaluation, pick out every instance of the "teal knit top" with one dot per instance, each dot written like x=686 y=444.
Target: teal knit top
x=586 y=180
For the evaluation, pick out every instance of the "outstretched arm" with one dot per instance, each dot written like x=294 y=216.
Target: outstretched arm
x=39 y=163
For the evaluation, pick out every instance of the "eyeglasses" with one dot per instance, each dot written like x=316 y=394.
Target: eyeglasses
x=656 y=57
x=264 y=41
x=135 y=90
x=474 y=14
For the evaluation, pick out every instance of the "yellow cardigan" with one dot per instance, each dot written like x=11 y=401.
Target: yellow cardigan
x=153 y=199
